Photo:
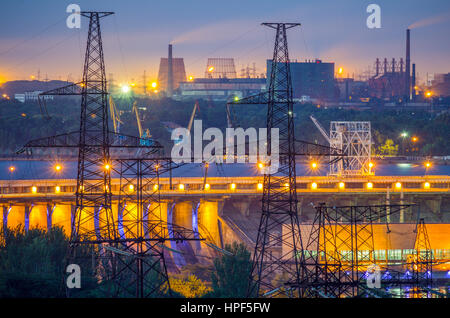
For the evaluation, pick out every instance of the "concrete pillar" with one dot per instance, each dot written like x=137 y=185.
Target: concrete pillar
x=220 y=205
x=388 y=208
x=402 y=211
x=182 y=214
x=28 y=209
x=73 y=211
x=50 y=209
x=300 y=206
x=6 y=210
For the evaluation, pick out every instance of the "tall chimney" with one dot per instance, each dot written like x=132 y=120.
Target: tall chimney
x=170 y=73
x=408 y=67
x=413 y=81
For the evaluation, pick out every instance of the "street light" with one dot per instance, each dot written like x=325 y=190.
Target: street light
x=58 y=167
x=125 y=89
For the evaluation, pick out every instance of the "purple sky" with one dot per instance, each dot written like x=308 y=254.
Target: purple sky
x=34 y=35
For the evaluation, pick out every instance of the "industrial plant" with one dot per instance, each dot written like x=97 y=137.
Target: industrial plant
x=338 y=219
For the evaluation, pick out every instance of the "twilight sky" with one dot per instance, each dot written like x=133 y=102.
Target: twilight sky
x=33 y=34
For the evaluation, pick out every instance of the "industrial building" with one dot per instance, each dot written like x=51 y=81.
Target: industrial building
x=221 y=88
x=441 y=85
x=171 y=73
x=393 y=79
x=312 y=78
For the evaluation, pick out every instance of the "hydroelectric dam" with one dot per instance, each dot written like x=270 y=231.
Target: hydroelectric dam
x=35 y=194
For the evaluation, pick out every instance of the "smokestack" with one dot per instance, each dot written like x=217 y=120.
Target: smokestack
x=408 y=66
x=170 y=72
x=413 y=82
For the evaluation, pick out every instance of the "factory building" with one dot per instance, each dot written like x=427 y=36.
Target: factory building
x=441 y=85
x=312 y=78
x=394 y=80
x=221 y=89
x=171 y=73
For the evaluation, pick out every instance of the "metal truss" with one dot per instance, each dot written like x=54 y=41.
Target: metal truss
x=279 y=201
x=421 y=263
x=340 y=249
x=129 y=249
x=355 y=140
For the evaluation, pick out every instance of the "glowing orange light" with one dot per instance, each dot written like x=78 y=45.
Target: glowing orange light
x=181 y=187
x=314 y=186
x=33 y=189
x=260 y=186
x=107 y=166
x=341 y=185
x=369 y=185
x=207 y=186
x=414 y=139
x=260 y=165
x=191 y=78
x=426 y=185
x=58 y=167
x=314 y=165
x=131 y=188
x=371 y=164
x=154 y=84
x=155 y=187
x=233 y=186
x=210 y=69
x=57 y=189
x=398 y=185
x=340 y=70
x=428 y=164
x=12 y=168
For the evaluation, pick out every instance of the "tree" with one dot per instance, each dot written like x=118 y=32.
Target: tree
x=32 y=264
x=388 y=149
x=190 y=287
x=231 y=275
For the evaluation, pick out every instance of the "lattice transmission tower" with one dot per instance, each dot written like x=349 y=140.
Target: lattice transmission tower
x=128 y=245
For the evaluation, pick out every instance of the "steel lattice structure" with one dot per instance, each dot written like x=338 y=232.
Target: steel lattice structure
x=129 y=251
x=340 y=250
x=421 y=263
x=279 y=201
x=355 y=140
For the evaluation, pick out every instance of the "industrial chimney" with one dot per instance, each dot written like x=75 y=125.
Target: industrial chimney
x=408 y=67
x=413 y=82
x=170 y=73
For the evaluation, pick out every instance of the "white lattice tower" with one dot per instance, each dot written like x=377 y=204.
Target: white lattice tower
x=355 y=139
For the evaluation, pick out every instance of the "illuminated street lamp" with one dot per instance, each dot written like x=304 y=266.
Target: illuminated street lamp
x=125 y=89
x=58 y=167
x=414 y=139
x=314 y=165
x=12 y=168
